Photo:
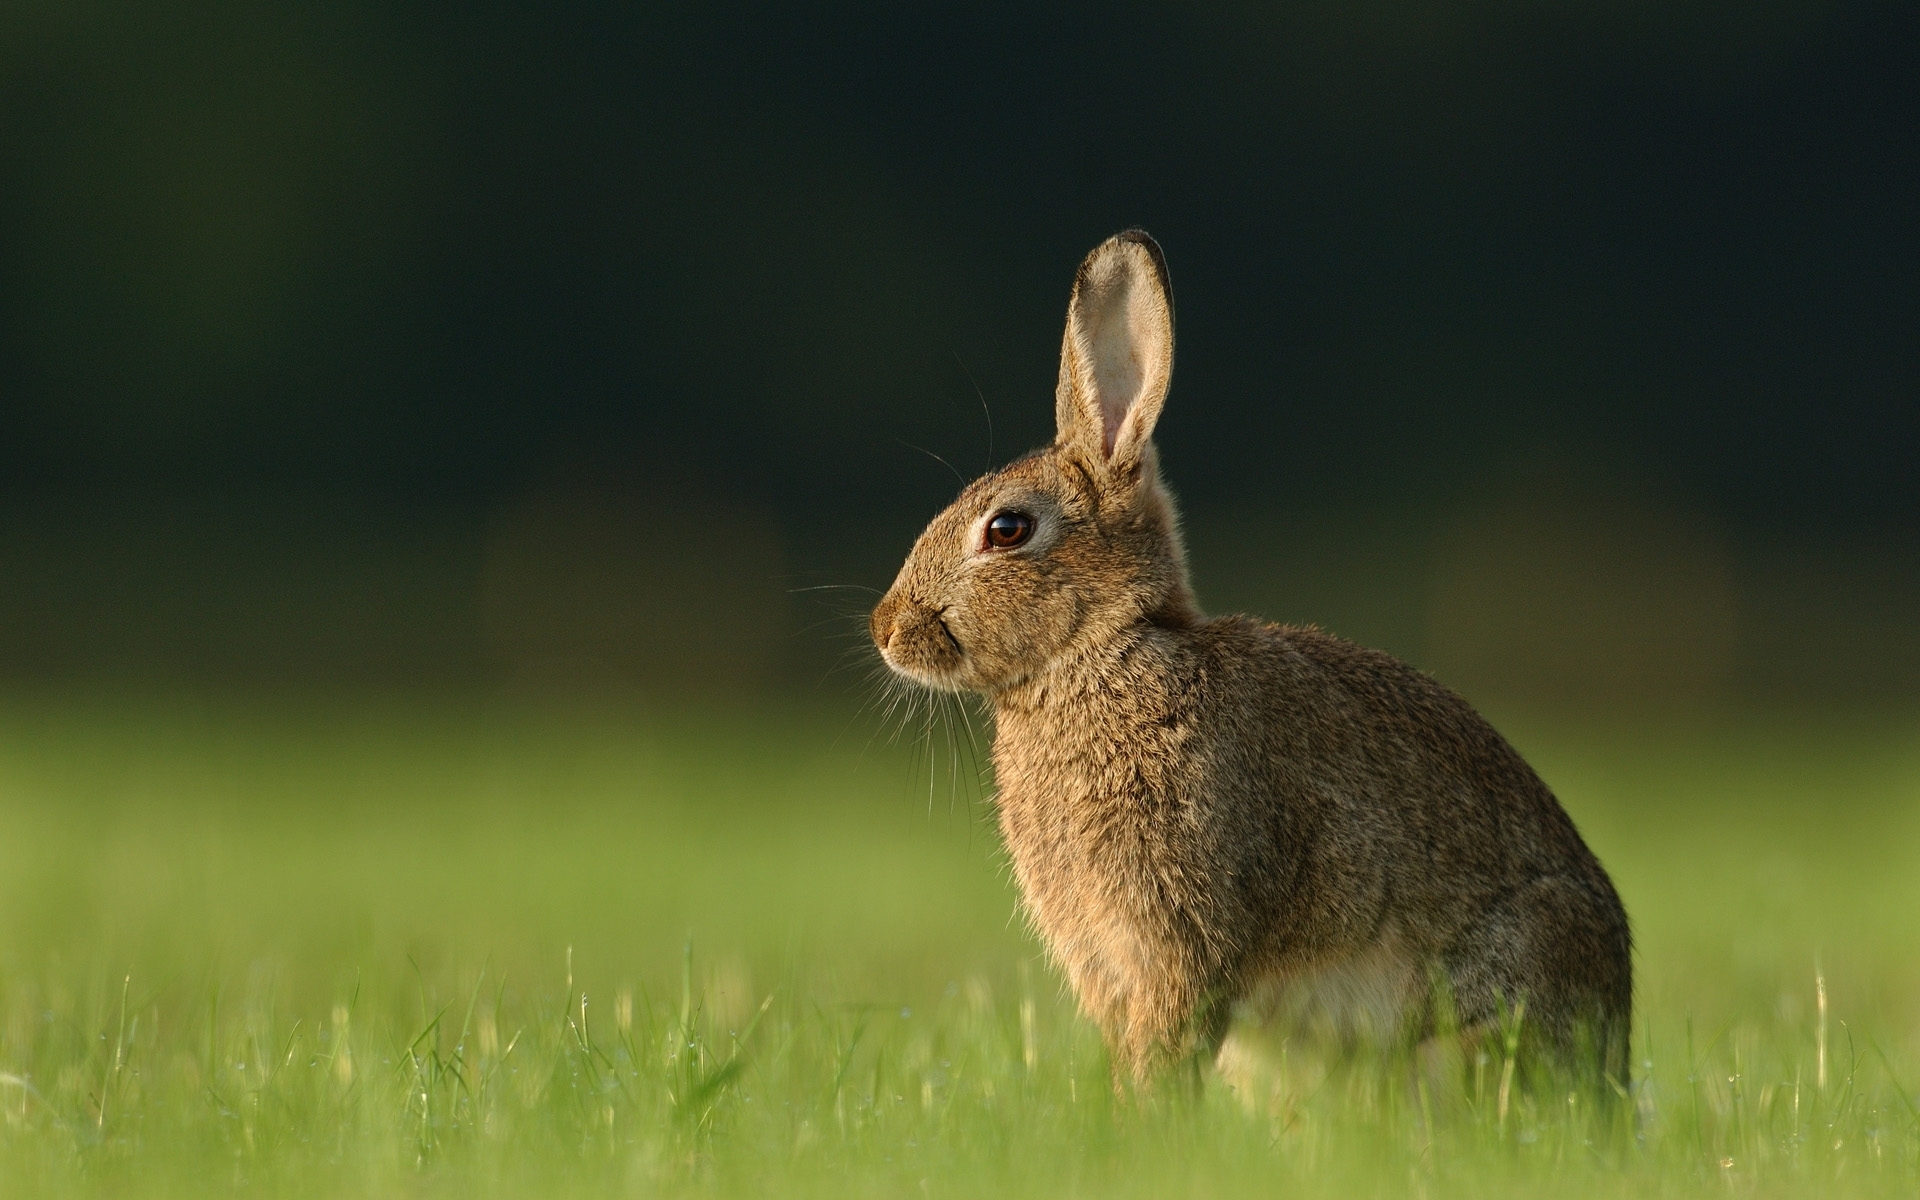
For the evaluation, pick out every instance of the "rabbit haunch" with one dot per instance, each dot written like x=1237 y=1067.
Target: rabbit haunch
x=1206 y=814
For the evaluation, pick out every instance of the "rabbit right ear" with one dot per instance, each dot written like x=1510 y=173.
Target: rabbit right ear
x=1116 y=361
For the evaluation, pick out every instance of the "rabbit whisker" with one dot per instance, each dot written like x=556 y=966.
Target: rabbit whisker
x=935 y=457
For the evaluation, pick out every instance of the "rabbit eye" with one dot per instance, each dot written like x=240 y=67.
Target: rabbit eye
x=1008 y=530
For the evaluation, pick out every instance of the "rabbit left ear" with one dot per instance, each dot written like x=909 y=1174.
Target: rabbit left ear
x=1116 y=361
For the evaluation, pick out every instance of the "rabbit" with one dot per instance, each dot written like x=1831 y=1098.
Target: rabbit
x=1201 y=812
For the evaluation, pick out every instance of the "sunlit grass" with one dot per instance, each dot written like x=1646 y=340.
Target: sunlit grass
x=429 y=946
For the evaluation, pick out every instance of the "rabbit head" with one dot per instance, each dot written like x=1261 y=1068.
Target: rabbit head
x=1074 y=542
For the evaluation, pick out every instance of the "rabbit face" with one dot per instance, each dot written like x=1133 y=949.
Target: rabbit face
x=1028 y=563
x=1073 y=542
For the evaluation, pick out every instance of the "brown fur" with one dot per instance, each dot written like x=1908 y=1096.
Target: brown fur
x=1202 y=812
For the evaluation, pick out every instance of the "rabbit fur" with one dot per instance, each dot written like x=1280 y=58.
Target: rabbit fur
x=1202 y=813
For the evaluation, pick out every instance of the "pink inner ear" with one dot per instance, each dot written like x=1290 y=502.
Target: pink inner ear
x=1112 y=416
x=1117 y=370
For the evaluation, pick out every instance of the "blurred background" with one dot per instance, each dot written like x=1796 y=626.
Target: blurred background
x=1568 y=349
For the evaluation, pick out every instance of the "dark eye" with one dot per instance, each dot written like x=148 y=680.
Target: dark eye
x=1008 y=530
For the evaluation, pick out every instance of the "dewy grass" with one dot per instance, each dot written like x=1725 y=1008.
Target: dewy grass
x=426 y=949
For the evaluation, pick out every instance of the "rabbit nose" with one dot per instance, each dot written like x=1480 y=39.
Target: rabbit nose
x=884 y=623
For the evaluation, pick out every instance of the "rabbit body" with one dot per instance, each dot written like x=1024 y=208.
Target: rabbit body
x=1180 y=849
x=1208 y=813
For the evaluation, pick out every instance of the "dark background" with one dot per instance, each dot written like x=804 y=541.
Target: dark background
x=1568 y=349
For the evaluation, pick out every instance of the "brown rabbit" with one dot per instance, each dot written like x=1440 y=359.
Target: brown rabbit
x=1202 y=812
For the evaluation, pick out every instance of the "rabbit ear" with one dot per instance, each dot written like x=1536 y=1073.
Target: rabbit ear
x=1116 y=360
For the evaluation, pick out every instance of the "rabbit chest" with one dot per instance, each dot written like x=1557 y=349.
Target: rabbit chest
x=1120 y=864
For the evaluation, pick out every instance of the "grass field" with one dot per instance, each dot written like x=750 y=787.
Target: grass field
x=425 y=946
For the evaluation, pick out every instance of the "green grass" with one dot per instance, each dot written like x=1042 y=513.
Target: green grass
x=420 y=946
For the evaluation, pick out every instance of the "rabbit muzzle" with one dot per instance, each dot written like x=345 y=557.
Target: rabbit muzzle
x=915 y=641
